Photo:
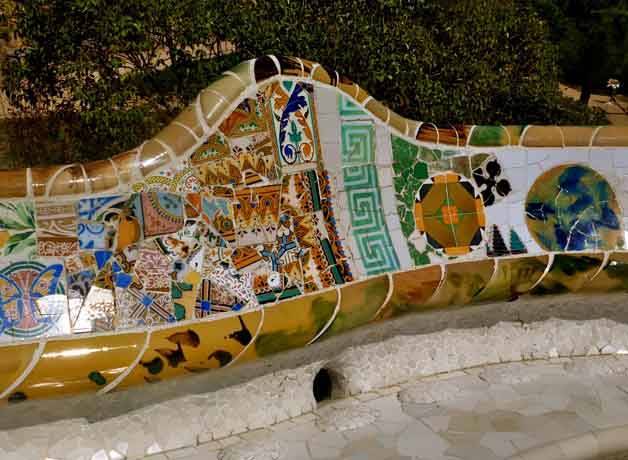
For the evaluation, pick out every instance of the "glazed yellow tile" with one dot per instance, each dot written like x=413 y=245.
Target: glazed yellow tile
x=463 y=281
x=308 y=66
x=613 y=277
x=349 y=88
x=577 y=136
x=40 y=177
x=359 y=303
x=362 y=95
x=320 y=74
x=213 y=107
x=79 y=365
x=178 y=138
x=153 y=156
x=126 y=166
x=611 y=136
x=413 y=128
x=101 y=175
x=569 y=273
x=189 y=117
x=244 y=72
x=412 y=290
x=292 y=324
x=398 y=122
x=378 y=109
x=70 y=181
x=489 y=136
x=229 y=86
x=512 y=278
x=514 y=133
x=13 y=361
x=542 y=136
x=193 y=348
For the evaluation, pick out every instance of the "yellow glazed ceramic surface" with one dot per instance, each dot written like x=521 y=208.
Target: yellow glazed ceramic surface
x=82 y=364
x=13 y=362
x=195 y=348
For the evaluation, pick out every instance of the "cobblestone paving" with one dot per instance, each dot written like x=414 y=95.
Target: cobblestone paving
x=485 y=413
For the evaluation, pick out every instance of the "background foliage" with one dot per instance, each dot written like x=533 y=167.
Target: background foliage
x=592 y=38
x=97 y=77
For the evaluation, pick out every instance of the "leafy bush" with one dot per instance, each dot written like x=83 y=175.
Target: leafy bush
x=102 y=76
x=592 y=37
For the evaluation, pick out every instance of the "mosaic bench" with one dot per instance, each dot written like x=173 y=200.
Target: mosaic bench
x=285 y=206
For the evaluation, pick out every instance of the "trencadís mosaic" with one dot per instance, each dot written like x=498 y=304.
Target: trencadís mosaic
x=284 y=206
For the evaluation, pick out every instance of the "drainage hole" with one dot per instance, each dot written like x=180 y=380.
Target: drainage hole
x=321 y=386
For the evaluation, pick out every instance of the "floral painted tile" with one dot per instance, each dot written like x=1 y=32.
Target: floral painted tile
x=216 y=147
x=572 y=207
x=291 y=109
x=179 y=179
x=256 y=212
x=247 y=118
x=300 y=193
x=217 y=212
x=153 y=270
x=96 y=235
x=137 y=307
x=185 y=254
x=156 y=213
x=56 y=229
x=99 y=220
x=80 y=270
x=449 y=212
x=323 y=258
x=99 y=209
x=490 y=178
x=211 y=299
x=32 y=299
x=17 y=229
x=212 y=296
x=246 y=160
x=184 y=295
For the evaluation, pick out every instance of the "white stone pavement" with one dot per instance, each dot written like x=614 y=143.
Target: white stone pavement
x=484 y=413
x=446 y=394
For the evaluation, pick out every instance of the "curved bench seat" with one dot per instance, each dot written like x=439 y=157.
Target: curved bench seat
x=284 y=206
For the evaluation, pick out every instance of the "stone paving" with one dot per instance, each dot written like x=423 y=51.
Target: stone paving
x=484 y=413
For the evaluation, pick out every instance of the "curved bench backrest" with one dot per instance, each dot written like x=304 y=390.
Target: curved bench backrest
x=283 y=206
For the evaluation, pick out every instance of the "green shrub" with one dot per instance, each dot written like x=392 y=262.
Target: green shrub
x=106 y=75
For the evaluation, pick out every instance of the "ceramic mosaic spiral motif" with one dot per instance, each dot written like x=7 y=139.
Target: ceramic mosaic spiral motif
x=287 y=206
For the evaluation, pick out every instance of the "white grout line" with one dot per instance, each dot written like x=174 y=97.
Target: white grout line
x=171 y=154
x=597 y=129
x=31 y=365
x=86 y=181
x=389 y=294
x=607 y=256
x=187 y=128
x=199 y=115
x=234 y=75
x=52 y=180
x=331 y=319
x=29 y=183
x=253 y=339
x=550 y=262
x=115 y=382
